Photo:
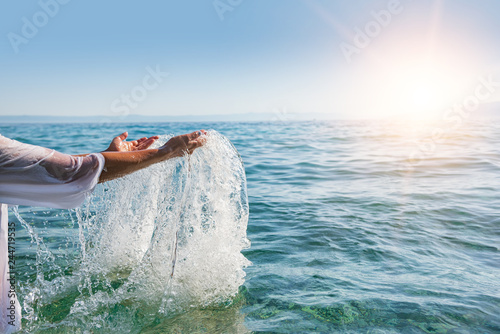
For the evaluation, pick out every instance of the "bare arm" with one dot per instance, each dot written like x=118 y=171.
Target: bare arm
x=119 y=164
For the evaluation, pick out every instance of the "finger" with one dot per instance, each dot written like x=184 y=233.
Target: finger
x=152 y=139
x=145 y=144
x=192 y=135
x=123 y=136
x=196 y=143
x=201 y=140
x=147 y=141
x=196 y=134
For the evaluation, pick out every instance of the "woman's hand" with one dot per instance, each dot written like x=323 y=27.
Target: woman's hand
x=120 y=163
x=120 y=145
x=180 y=145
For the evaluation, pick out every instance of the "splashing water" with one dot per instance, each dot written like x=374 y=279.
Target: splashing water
x=151 y=245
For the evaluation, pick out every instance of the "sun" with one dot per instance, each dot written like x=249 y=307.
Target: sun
x=407 y=86
x=426 y=92
x=423 y=97
x=424 y=89
x=411 y=78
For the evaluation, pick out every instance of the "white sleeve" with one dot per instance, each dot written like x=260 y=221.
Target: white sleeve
x=37 y=176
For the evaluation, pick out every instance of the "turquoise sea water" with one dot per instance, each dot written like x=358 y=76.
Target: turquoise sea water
x=347 y=235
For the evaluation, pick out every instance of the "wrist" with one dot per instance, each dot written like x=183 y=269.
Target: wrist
x=165 y=153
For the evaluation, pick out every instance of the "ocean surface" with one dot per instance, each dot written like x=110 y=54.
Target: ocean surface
x=353 y=227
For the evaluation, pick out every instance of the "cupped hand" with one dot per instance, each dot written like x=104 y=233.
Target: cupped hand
x=118 y=144
x=180 y=145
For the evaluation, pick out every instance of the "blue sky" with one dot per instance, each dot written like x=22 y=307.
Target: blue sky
x=94 y=57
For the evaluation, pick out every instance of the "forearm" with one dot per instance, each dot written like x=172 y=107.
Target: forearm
x=118 y=164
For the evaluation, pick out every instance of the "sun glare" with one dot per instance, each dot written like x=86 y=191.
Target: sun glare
x=423 y=97
x=406 y=74
x=425 y=90
x=415 y=89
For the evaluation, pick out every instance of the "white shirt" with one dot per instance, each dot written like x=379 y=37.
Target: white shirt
x=37 y=176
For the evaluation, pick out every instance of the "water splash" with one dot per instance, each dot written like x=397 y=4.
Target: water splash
x=157 y=242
